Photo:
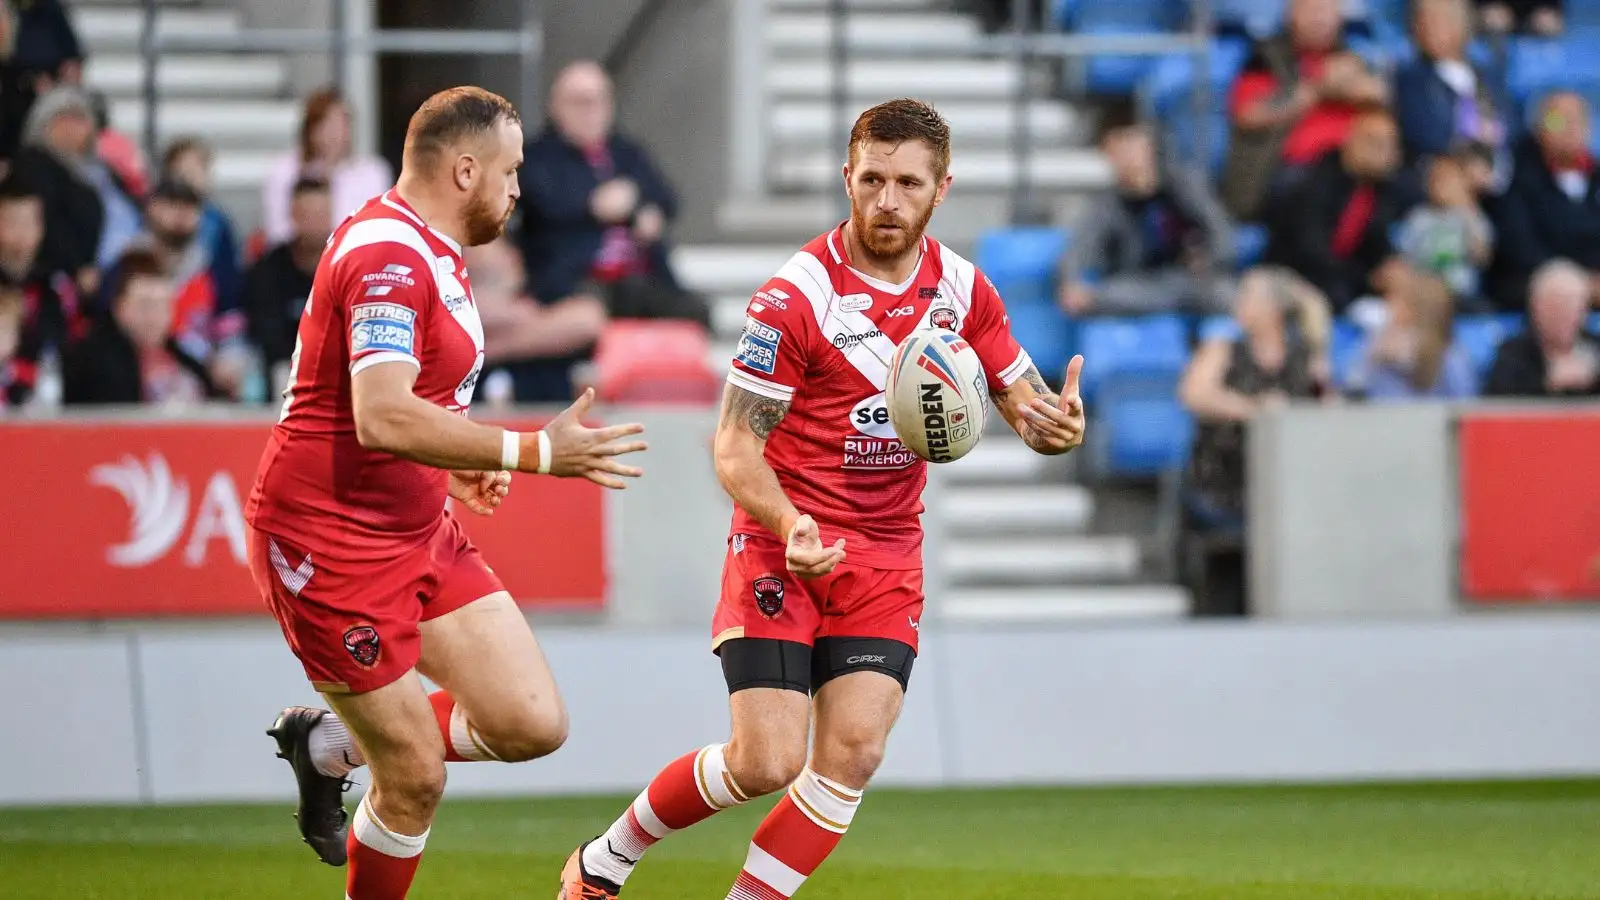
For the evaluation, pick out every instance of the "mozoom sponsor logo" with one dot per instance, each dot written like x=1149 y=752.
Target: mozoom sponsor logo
x=844 y=340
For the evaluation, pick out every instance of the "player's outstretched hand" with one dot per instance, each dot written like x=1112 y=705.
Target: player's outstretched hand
x=806 y=556
x=577 y=451
x=1057 y=427
x=481 y=492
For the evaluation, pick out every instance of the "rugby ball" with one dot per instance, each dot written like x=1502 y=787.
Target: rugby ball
x=937 y=395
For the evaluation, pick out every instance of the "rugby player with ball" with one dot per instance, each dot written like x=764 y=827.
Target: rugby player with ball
x=872 y=351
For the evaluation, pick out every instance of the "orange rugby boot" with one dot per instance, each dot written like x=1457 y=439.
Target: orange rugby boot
x=576 y=884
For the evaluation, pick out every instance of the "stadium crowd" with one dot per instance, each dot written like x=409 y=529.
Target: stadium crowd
x=121 y=281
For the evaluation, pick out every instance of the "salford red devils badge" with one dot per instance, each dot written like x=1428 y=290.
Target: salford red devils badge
x=769 y=594
x=362 y=642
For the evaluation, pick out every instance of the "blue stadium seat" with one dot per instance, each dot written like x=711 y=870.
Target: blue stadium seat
x=1181 y=134
x=1145 y=435
x=1046 y=333
x=1171 y=81
x=1249 y=245
x=1538 y=66
x=1593 y=324
x=1480 y=336
x=1021 y=254
x=1113 y=74
x=1117 y=347
x=1255 y=17
x=1346 y=345
x=1134 y=15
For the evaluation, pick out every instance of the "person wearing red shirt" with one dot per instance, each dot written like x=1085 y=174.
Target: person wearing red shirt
x=1294 y=103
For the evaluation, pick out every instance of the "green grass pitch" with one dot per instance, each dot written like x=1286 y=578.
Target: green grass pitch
x=1496 y=841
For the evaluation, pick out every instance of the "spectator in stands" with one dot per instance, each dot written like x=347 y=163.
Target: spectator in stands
x=1155 y=241
x=1557 y=356
x=209 y=327
x=326 y=152
x=527 y=345
x=1414 y=354
x=129 y=355
x=1449 y=236
x=1272 y=351
x=41 y=51
x=44 y=302
x=1441 y=99
x=118 y=150
x=279 y=284
x=596 y=209
x=1552 y=208
x=1540 y=17
x=57 y=161
x=188 y=160
x=1333 y=228
x=1295 y=101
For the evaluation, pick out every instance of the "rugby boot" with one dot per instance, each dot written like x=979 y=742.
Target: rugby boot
x=324 y=823
x=576 y=884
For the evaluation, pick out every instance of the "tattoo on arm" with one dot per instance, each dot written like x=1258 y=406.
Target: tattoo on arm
x=760 y=414
x=1033 y=378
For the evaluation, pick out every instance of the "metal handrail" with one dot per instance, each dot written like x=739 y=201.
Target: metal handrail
x=339 y=42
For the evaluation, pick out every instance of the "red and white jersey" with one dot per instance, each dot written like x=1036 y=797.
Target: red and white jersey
x=820 y=335
x=388 y=289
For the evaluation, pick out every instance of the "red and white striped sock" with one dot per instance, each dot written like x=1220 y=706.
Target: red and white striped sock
x=796 y=837
x=690 y=789
x=462 y=742
x=382 y=863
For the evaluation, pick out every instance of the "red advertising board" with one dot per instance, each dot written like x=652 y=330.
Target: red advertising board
x=1530 y=507
x=111 y=520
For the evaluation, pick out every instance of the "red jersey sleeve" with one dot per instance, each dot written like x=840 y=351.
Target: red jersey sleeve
x=386 y=289
x=988 y=329
x=774 y=346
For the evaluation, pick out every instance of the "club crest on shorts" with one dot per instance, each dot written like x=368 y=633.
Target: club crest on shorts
x=769 y=594
x=942 y=317
x=362 y=642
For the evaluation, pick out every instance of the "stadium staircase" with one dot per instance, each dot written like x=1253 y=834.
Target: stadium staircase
x=242 y=102
x=1018 y=537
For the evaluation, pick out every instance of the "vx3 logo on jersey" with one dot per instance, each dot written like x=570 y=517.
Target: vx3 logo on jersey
x=902 y=311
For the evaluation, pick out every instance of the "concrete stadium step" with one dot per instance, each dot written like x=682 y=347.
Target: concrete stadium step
x=1054 y=559
x=719 y=269
x=727 y=314
x=793 y=219
x=244 y=170
x=993 y=462
x=990 y=509
x=120 y=27
x=854 y=5
x=190 y=75
x=1095 y=603
x=863 y=32
x=973 y=124
x=1062 y=169
x=872 y=81
x=255 y=124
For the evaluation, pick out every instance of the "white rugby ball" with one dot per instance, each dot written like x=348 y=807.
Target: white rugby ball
x=937 y=395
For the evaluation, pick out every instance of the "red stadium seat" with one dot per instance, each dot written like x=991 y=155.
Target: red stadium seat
x=655 y=361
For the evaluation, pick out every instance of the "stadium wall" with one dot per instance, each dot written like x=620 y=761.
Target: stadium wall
x=158 y=714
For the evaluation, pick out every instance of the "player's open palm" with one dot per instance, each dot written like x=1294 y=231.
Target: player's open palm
x=577 y=451
x=481 y=492
x=806 y=555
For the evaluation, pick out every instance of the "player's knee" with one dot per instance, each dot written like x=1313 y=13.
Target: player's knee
x=414 y=785
x=538 y=729
x=852 y=755
x=766 y=771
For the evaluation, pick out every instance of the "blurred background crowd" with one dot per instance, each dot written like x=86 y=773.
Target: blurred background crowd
x=1377 y=201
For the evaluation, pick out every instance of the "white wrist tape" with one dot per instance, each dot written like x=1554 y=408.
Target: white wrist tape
x=544 y=453
x=510 y=450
